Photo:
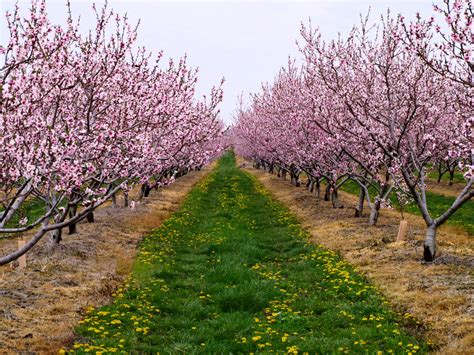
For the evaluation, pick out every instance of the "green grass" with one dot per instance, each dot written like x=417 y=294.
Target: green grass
x=458 y=177
x=437 y=205
x=32 y=209
x=232 y=272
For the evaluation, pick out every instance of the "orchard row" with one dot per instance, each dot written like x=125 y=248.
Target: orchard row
x=381 y=106
x=86 y=114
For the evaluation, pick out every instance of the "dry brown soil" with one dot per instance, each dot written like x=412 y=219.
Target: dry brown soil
x=40 y=305
x=440 y=295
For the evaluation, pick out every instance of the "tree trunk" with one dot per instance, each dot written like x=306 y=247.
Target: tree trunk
x=72 y=227
x=125 y=199
x=429 y=251
x=360 y=204
x=440 y=172
x=374 y=213
x=146 y=191
x=56 y=236
x=318 y=188
x=297 y=180
x=334 y=199
x=451 y=176
x=114 y=201
x=327 y=193
x=284 y=174
x=90 y=217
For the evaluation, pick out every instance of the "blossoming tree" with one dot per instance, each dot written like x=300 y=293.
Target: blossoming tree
x=85 y=116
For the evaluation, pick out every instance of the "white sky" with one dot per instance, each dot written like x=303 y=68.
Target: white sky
x=244 y=41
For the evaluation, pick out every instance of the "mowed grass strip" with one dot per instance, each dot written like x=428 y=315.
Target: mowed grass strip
x=437 y=205
x=232 y=272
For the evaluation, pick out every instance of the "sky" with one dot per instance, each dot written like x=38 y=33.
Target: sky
x=246 y=42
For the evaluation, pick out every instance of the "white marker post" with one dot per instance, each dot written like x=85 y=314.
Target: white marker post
x=402 y=230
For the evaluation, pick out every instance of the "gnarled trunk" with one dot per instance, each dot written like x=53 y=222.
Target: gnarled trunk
x=56 y=236
x=90 y=217
x=125 y=199
x=293 y=179
x=147 y=191
x=73 y=226
x=374 y=213
x=334 y=198
x=451 y=176
x=297 y=180
x=360 y=203
x=429 y=250
x=318 y=188
x=327 y=192
x=440 y=172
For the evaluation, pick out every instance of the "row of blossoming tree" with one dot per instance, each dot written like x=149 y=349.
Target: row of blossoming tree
x=380 y=107
x=84 y=115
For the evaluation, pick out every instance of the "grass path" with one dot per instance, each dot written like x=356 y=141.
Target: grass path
x=232 y=272
x=439 y=197
x=437 y=205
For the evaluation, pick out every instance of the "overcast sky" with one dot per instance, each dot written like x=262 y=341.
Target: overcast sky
x=244 y=41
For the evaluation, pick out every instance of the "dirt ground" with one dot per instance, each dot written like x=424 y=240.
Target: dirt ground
x=40 y=305
x=440 y=295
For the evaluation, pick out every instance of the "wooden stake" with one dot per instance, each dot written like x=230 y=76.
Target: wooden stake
x=402 y=230
x=21 y=259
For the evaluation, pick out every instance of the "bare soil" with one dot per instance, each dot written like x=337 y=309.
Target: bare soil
x=40 y=305
x=440 y=295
